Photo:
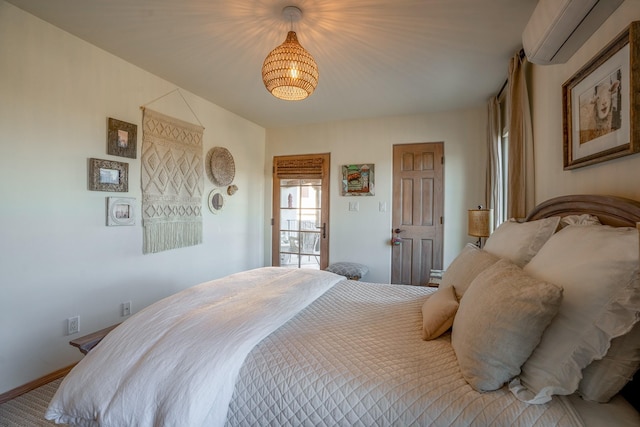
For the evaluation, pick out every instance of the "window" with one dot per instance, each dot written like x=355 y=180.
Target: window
x=501 y=212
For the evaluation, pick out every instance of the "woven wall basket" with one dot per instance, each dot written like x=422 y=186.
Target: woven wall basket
x=221 y=169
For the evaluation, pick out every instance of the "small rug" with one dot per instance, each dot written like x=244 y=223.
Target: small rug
x=172 y=182
x=28 y=409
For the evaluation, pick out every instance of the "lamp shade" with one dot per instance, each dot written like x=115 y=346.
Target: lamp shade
x=480 y=222
x=289 y=72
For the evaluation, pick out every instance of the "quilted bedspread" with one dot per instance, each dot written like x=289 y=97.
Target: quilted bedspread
x=355 y=357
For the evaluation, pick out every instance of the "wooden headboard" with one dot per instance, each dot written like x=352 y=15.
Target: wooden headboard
x=611 y=210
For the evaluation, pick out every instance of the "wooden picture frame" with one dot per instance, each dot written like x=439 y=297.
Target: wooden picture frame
x=122 y=138
x=358 y=180
x=108 y=175
x=600 y=103
x=121 y=211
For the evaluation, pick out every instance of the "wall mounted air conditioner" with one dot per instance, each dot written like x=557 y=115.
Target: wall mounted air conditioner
x=557 y=28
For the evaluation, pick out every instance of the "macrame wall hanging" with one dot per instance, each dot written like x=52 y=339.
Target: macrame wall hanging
x=172 y=182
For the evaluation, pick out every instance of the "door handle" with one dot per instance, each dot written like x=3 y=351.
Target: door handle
x=324 y=230
x=395 y=239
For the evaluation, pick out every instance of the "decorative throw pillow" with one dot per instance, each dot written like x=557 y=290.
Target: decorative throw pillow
x=597 y=266
x=604 y=378
x=350 y=270
x=438 y=312
x=520 y=241
x=500 y=321
x=465 y=267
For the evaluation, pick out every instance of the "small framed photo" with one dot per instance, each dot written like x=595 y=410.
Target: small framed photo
x=122 y=138
x=600 y=103
x=108 y=175
x=358 y=180
x=121 y=211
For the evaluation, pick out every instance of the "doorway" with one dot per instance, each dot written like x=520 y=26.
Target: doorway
x=300 y=224
x=418 y=211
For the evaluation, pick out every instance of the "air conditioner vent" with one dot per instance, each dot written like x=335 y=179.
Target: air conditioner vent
x=558 y=28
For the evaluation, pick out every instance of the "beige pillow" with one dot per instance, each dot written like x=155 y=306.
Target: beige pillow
x=465 y=267
x=519 y=242
x=438 y=312
x=597 y=266
x=500 y=321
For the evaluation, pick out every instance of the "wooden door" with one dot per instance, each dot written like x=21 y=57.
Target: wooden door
x=418 y=210
x=300 y=225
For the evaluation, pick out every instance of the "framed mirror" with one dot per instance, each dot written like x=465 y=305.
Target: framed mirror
x=215 y=201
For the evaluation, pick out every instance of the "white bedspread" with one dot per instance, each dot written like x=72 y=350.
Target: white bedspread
x=355 y=357
x=208 y=330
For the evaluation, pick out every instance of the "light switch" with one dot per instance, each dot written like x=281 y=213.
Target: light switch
x=354 y=206
x=382 y=206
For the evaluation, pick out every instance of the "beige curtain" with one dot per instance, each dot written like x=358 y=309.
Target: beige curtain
x=493 y=191
x=520 y=185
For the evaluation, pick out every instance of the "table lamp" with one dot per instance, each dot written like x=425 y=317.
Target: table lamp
x=480 y=223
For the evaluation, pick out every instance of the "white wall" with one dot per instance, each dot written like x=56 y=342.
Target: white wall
x=616 y=177
x=364 y=236
x=57 y=257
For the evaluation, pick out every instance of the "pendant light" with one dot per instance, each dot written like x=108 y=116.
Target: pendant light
x=289 y=72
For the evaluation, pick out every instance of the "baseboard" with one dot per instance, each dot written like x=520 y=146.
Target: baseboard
x=12 y=394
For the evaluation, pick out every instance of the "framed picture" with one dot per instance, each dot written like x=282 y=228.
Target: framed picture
x=107 y=175
x=358 y=180
x=122 y=138
x=600 y=103
x=121 y=211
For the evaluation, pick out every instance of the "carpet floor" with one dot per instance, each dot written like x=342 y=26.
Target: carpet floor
x=28 y=409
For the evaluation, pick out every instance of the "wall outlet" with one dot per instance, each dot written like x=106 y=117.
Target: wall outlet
x=73 y=325
x=126 y=309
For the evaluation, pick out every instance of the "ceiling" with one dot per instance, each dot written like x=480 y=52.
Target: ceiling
x=376 y=58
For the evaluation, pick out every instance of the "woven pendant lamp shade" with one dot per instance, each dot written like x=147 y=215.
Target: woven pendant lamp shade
x=289 y=72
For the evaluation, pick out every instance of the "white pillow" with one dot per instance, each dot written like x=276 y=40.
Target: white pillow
x=500 y=321
x=438 y=312
x=584 y=219
x=597 y=266
x=520 y=241
x=604 y=378
x=465 y=267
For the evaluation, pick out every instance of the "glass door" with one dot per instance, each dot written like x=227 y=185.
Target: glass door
x=300 y=206
x=300 y=223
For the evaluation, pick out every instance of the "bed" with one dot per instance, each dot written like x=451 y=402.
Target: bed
x=282 y=347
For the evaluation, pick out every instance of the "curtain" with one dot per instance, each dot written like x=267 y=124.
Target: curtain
x=302 y=166
x=493 y=190
x=520 y=185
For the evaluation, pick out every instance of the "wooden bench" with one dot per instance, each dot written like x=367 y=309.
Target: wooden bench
x=87 y=342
